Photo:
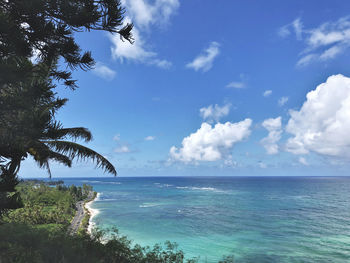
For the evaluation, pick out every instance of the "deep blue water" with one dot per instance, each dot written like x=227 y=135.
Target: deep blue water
x=257 y=219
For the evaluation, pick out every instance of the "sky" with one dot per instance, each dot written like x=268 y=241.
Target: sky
x=216 y=88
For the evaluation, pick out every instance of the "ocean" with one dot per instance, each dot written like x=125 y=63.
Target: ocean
x=256 y=219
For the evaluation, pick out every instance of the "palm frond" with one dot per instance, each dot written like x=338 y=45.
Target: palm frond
x=42 y=154
x=57 y=132
x=60 y=158
x=45 y=164
x=74 y=150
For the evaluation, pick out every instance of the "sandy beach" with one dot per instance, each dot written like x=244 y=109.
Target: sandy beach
x=93 y=212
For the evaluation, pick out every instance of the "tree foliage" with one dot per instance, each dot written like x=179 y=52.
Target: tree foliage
x=43 y=204
x=44 y=30
x=28 y=125
x=23 y=243
x=28 y=128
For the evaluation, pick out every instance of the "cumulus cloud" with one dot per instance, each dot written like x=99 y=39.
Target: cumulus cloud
x=211 y=143
x=267 y=93
x=322 y=43
x=116 y=137
x=122 y=149
x=204 y=61
x=103 y=71
x=282 y=101
x=214 y=112
x=322 y=124
x=150 y=138
x=145 y=14
x=274 y=127
x=123 y=50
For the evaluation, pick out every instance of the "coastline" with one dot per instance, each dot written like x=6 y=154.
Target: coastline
x=92 y=212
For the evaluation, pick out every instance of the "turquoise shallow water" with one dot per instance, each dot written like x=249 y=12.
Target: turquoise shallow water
x=257 y=219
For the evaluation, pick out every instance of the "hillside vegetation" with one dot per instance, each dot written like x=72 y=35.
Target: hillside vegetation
x=38 y=232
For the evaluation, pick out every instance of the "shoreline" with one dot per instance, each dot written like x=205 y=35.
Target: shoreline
x=92 y=212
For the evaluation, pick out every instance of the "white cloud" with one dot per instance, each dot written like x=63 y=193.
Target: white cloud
x=123 y=50
x=307 y=59
x=150 y=138
x=236 y=85
x=274 y=127
x=322 y=124
x=160 y=63
x=284 y=31
x=296 y=26
x=267 y=93
x=214 y=112
x=322 y=43
x=122 y=149
x=229 y=162
x=116 y=137
x=103 y=71
x=205 y=60
x=331 y=52
x=329 y=33
x=211 y=143
x=145 y=14
x=262 y=165
x=282 y=101
x=35 y=58
x=303 y=161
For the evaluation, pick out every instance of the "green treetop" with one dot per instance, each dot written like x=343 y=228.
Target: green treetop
x=45 y=29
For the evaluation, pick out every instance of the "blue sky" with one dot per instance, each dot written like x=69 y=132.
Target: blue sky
x=217 y=88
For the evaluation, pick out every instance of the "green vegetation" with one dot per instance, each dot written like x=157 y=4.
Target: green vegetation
x=43 y=204
x=23 y=243
x=43 y=31
x=46 y=29
x=37 y=232
x=28 y=128
x=34 y=217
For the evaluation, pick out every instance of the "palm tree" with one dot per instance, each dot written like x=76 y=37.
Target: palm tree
x=28 y=128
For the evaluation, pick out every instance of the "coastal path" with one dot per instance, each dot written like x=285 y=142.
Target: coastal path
x=79 y=216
